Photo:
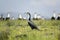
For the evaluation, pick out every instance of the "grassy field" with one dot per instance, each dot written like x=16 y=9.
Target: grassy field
x=20 y=30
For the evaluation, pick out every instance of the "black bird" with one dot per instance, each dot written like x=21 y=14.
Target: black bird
x=31 y=24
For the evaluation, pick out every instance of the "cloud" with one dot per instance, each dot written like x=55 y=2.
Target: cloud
x=43 y=2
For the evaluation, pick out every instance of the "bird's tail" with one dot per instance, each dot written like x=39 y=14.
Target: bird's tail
x=39 y=29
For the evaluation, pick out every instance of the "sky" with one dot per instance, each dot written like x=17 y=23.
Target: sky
x=43 y=7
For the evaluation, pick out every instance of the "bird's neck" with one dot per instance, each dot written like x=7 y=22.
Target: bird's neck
x=29 y=17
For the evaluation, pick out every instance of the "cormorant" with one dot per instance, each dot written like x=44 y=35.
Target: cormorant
x=31 y=24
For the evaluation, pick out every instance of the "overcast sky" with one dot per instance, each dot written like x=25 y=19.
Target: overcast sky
x=43 y=7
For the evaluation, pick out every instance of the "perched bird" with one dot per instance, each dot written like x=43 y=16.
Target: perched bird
x=31 y=24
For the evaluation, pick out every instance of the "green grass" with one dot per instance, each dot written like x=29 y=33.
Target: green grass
x=20 y=30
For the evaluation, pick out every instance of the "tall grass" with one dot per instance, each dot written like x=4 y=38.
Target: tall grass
x=20 y=30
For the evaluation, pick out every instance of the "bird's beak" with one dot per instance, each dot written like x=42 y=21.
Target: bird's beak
x=27 y=13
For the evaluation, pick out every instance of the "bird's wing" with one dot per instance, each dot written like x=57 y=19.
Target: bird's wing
x=30 y=22
x=32 y=25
